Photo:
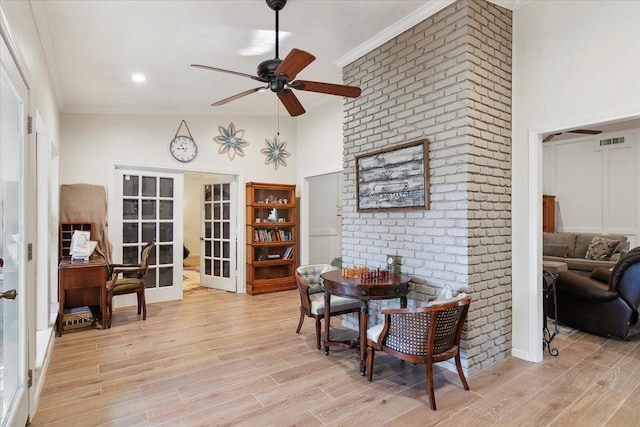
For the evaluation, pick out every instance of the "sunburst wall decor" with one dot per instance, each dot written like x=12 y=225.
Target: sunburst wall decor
x=275 y=152
x=231 y=141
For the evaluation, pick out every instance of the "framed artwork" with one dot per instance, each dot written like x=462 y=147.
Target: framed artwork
x=393 y=178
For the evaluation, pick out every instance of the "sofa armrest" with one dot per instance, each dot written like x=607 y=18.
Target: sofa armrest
x=601 y=275
x=584 y=287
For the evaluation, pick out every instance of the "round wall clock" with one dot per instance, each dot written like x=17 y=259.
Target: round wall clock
x=183 y=148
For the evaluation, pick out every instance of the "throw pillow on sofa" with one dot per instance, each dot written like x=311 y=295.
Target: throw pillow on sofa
x=601 y=248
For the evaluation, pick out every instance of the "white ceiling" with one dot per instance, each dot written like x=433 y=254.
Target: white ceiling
x=93 y=48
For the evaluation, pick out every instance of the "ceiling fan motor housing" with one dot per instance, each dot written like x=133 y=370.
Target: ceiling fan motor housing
x=276 y=4
x=266 y=69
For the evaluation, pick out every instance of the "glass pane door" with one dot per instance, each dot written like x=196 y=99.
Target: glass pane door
x=13 y=401
x=218 y=259
x=151 y=209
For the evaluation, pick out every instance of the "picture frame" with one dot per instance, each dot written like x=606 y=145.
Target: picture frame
x=393 y=178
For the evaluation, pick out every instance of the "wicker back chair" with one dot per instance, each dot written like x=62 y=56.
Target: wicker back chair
x=421 y=335
x=311 y=292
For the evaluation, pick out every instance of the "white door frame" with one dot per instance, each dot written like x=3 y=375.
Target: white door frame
x=304 y=214
x=18 y=411
x=240 y=207
x=527 y=254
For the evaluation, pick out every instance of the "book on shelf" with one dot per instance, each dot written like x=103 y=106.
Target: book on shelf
x=288 y=253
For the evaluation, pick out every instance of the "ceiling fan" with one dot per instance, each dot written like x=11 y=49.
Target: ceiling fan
x=582 y=131
x=279 y=75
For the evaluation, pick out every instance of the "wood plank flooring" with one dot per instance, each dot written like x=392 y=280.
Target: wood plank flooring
x=235 y=360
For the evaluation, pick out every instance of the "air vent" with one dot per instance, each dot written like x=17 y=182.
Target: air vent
x=612 y=141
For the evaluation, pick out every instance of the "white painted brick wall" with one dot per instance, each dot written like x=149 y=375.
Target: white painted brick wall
x=448 y=79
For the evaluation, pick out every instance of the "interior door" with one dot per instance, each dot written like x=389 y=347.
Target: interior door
x=13 y=330
x=149 y=206
x=218 y=257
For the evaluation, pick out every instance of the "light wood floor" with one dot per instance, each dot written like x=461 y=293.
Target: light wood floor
x=228 y=359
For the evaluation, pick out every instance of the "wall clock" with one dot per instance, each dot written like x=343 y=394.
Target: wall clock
x=182 y=147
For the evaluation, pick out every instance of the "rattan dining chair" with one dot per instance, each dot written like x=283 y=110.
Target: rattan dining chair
x=421 y=335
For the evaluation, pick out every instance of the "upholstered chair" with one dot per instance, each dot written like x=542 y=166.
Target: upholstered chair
x=605 y=303
x=133 y=280
x=311 y=291
x=422 y=335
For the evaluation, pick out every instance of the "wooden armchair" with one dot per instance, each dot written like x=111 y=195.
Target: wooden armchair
x=135 y=283
x=311 y=291
x=422 y=335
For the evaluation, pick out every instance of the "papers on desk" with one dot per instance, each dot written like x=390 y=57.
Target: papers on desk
x=81 y=247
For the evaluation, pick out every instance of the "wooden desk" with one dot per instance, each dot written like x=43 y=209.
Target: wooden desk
x=82 y=283
x=394 y=286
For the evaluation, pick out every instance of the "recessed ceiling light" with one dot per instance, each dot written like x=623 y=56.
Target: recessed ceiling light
x=138 y=77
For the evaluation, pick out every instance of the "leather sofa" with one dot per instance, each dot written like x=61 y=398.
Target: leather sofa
x=605 y=303
x=571 y=248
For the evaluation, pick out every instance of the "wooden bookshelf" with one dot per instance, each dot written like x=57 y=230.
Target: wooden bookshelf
x=271 y=237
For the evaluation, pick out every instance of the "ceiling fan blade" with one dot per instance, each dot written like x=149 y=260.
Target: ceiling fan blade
x=291 y=103
x=329 y=88
x=238 y=95
x=586 y=131
x=295 y=62
x=550 y=137
x=222 y=70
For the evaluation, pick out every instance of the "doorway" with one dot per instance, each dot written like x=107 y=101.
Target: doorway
x=210 y=232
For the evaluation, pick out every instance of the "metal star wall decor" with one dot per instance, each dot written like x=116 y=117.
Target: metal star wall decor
x=275 y=152
x=231 y=141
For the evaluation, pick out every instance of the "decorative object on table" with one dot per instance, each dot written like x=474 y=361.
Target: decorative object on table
x=182 y=147
x=279 y=75
x=393 y=178
x=312 y=297
x=422 y=335
x=354 y=271
x=275 y=152
x=231 y=142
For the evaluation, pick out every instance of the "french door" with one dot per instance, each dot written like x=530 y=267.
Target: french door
x=13 y=324
x=218 y=257
x=149 y=206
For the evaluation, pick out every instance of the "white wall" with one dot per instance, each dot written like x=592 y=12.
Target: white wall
x=611 y=173
x=319 y=136
x=92 y=142
x=574 y=64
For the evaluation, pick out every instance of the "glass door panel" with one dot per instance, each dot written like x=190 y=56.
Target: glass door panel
x=218 y=231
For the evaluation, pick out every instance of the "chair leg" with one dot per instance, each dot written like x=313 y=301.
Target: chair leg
x=300 y=321
x=144 y=305
x=109 y=310
x=371 y=352
x=430 y=391
x=318 y=332
x=139 y=296
x=461 y=372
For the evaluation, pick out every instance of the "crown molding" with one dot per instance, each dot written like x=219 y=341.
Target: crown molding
x=45 y=41
x=399 y=27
